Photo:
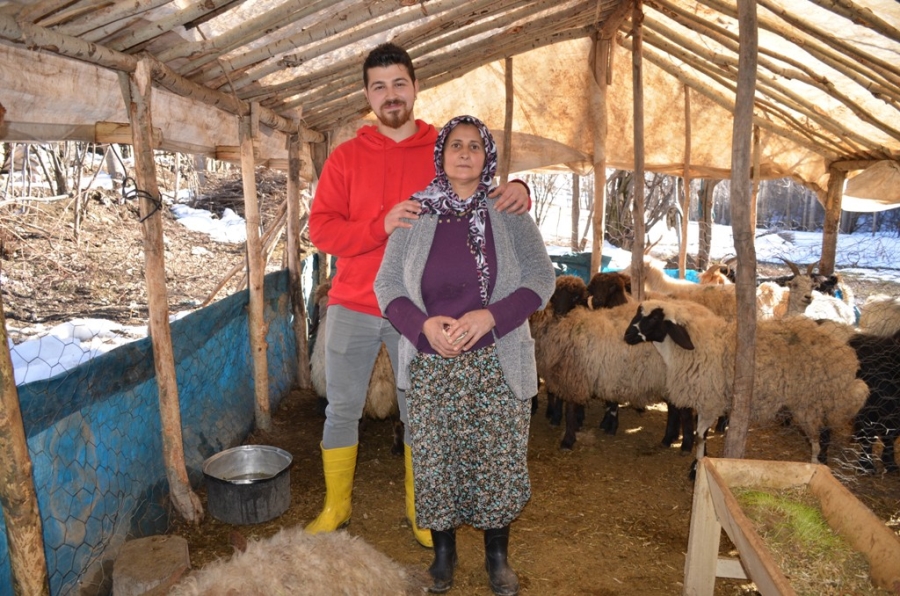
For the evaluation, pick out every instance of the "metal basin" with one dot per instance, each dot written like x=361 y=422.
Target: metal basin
x=249 y=484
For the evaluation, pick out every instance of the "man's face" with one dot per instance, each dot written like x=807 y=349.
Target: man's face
x=391 y=94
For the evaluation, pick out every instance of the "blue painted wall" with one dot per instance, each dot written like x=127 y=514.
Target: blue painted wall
x=95 y=436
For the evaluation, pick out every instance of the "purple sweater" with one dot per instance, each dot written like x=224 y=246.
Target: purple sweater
x=450 y=288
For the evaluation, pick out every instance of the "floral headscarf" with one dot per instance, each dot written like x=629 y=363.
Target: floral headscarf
x=439 y=198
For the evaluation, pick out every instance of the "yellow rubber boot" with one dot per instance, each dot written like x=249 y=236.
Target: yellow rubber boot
x=339 y=465
x=423 y=535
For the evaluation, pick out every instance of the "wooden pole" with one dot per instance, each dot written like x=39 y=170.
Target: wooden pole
x=745 y=355
x=833 y=196
x=576 y=211
x=637 y=249
x=686 y=181
x=24 y=530
x=601 y=74
x=139 y=89
x=506 y=160
x=255 y=273
x=757 y=158
x=298 y=304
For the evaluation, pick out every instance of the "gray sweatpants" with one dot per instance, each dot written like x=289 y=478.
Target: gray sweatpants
x=352 y=341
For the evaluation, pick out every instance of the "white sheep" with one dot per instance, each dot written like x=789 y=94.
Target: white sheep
x=381 y=397
x=799 y=366
x=880 y=315
x=295 y=562
x=720 y=299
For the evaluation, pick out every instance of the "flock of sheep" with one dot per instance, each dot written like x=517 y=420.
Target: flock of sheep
x=813 y=363
x=816 y=362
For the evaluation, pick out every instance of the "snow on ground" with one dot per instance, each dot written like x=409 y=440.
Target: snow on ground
x=55 y=350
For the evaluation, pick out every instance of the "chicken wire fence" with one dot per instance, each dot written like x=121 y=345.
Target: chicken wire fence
x=95 y=437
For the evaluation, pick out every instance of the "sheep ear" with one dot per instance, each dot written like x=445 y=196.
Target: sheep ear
x=590 y=302
x=679 y=335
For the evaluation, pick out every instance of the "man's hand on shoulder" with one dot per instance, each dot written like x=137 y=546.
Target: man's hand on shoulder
x=512 y=197
x=400 y=212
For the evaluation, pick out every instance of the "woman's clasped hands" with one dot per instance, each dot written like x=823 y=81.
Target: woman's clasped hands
x=450 y=337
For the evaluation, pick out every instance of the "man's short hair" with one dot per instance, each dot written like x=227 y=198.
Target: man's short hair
x=385 y=55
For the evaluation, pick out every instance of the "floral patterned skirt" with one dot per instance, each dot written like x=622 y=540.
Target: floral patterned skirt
x=469 y=442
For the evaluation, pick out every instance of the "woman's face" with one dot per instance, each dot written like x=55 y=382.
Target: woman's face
x=464 y=154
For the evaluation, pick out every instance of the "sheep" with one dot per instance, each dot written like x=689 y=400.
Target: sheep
x=879 y=418
x=381 y=397
x=611 y=289
x=799 y=366
x=719 y=274
x=880 y=315
x=580 y=355
x=720 y=299
x=292 y=561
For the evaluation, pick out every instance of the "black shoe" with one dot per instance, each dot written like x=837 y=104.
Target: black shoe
x=496 y=546
x=441 y=569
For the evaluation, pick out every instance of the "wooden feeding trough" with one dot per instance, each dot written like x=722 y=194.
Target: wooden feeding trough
x=715 y=508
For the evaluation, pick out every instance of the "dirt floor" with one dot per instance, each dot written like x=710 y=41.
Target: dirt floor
x=609 y=518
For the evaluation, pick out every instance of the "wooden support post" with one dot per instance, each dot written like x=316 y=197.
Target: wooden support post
x=506 y=158
x=703 y=540
x=755 y=177
x=686 y=181
x=186 y=502
x=298 y=304
x=833 y=196
x=600 y=71
x=24 y=530
x=745 y=355
x=637 y=249
x=255 y=273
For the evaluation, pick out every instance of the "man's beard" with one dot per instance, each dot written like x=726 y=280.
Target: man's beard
x=394 y=119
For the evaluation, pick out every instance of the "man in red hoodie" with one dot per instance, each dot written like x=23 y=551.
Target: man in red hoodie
x=362 y=196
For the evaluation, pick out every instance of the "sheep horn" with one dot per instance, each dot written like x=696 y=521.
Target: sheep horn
x=792 y=265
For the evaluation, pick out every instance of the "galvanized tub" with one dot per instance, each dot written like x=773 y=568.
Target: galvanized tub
x=250 y=484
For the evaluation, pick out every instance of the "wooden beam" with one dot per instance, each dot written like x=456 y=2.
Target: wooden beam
x=506 y=157
x=833 y=197
x=186 y=502
x=118 y=132
x=686 y=184
x=18 y=497
x=256 y=270
x=601 y=55
x=637 y=85
x=741 y=161
x=295 y=260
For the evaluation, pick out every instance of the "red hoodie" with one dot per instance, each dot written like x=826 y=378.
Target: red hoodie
x=361 y=181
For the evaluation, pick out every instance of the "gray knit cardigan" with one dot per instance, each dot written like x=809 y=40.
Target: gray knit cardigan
x=522 y=262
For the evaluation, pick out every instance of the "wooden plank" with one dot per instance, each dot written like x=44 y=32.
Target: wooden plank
x=753 y=472
x=757 y=560
x=860 y=527
x=730 y=568
x=24 y=132
x=703 y=539
x=118 y=132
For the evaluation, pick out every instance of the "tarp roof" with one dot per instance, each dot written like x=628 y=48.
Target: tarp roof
x=828 y=86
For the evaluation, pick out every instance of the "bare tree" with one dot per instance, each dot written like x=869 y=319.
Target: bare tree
x=544 y=190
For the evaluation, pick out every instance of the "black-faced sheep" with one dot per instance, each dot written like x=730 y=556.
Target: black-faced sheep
x=879 y=418
x=580 y=356
x=381 y=397
x=294 y=562
x=612 y=289
x=799 y=366
x=880 y=315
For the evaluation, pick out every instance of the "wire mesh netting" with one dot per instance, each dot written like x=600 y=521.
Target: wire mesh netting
x=95 y=438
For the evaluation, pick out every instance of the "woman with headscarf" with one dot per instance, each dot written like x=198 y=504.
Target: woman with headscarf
x=459 y=285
